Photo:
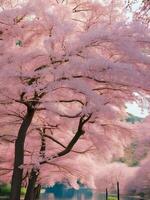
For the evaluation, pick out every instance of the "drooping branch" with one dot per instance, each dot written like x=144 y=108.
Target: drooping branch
x=4 y=171
x=74 y=140
x=70 y=116
x=71 y=101
x=8 y=138
x=54 y=140
x=62 y=145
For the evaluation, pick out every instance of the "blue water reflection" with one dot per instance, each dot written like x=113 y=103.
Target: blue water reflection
x=62 y=192
x=82 y=197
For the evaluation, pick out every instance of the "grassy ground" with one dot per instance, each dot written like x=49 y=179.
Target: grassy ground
x=112 y=198
x=5 y=190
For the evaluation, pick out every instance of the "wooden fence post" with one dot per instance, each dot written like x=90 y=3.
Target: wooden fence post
x=106 y=194
x=118 y=191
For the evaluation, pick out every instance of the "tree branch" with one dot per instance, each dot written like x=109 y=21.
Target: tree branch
x=74 y=140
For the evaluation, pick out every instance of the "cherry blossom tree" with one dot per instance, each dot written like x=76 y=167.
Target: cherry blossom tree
x=140 y=183
x=134 y=179
x=110 y=174
x=63 y=78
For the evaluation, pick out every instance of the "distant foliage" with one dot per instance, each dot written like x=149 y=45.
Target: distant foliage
x=67 y=68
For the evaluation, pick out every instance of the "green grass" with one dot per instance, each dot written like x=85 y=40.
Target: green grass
x=112 y=198
x=5 y=190
x=23 y=190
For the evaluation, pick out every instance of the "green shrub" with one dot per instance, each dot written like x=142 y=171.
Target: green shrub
x=112 y=198
x=5 y=190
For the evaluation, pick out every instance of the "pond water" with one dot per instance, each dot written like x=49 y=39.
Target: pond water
x=83 y=197
x=61 y=191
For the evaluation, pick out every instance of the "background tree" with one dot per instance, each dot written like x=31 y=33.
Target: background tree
x=61 y=70
x=140 y=184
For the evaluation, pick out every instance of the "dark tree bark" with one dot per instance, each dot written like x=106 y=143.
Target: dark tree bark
x=31 y=189
x=37 y=190
x=118 y=191
x=19 y=155
x=33 y=192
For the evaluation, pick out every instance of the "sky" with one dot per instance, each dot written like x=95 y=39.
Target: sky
x=135 y=6
x=134 y=109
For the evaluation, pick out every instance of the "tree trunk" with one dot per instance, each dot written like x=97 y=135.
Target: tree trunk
x=19 y=156
x=37 y=192
x=31 y=190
